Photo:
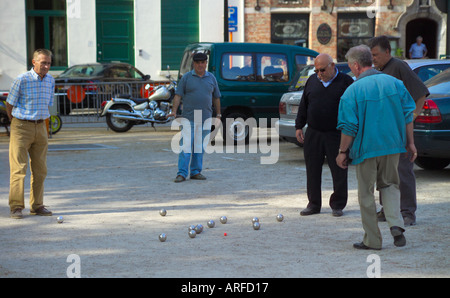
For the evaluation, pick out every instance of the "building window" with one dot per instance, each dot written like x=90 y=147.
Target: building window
x=290 y=29
x=353 y=29
x=47 y=28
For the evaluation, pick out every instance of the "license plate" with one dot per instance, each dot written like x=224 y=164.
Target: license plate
x=294 y=109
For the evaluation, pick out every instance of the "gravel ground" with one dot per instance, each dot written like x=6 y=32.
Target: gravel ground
x=109 y=188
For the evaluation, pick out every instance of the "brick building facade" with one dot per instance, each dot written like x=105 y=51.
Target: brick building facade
x=333 y=26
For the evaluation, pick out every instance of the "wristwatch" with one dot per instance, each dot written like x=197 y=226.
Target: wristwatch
x=342 y=151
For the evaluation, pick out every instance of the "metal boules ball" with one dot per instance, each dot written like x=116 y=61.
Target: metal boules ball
x=255 y=219
x=280 y=217
x=223 y=219
x=163 y=212
x=162 y=237
x=192 y=233
x=60 y=219
x=211 y=223
x=198 y=228
x=256 y=225
x=191 y=227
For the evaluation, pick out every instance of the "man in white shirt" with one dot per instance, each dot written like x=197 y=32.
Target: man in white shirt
x=418 y=50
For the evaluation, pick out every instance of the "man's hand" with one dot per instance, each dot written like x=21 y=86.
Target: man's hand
x=412 y=152
x=299 y=135
x=342 y=160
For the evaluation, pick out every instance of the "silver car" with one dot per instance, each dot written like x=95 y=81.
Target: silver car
x=289 y=102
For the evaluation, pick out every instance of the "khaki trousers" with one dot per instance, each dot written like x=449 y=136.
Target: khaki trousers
x=27 y=140
x=382 y=171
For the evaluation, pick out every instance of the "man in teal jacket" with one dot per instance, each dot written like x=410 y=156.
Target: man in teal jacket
x=375 y=118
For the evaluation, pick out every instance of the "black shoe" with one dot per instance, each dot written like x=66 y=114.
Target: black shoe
x=309 y=211
x=361 y=245
x=399 y=238
x=337 y=212
x=409 y=221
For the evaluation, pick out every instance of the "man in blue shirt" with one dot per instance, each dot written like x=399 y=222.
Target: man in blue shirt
x=418 y=50
x=199 y=90
x=27 y=107
x=376 y=120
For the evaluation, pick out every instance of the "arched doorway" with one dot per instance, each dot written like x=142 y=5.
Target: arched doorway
x=426 y=28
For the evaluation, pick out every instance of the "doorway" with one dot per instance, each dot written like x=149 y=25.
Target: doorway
x=115 y=31
x=426 y=28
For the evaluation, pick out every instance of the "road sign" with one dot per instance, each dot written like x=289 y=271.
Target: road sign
x=232 y=19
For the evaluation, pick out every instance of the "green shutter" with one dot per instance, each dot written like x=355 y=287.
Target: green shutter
x=179 y=27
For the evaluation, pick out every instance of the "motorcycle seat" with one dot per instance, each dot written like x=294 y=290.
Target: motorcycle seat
x=135 y=99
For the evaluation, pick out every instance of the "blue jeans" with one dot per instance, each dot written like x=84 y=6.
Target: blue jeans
x=192 y=151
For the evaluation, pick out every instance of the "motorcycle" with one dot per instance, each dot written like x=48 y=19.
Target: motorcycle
x=123 y=112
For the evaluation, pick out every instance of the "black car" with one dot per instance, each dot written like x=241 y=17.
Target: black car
x=81 y=88
x=432 y=125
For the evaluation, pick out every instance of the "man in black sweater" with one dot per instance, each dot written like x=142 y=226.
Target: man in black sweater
x=319 y=109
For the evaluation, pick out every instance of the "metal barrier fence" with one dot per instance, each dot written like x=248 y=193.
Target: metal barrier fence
x=82 y=102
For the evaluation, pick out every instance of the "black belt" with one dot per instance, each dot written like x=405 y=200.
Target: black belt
x=32 y=121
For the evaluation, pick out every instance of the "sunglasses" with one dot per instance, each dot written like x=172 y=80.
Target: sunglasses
x=322 y=69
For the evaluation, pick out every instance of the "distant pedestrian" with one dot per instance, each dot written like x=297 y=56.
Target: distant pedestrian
x=319 y=109
x=199 y=90
x=376 y=120
x=418 y=50
x=383 y=61
x=27 y=107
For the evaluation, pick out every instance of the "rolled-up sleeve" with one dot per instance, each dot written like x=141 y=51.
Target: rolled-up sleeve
x=348 y=121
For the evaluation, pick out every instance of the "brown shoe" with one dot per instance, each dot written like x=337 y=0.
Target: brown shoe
x=179 y=179
x=16 y=213
x=198 y=177
x=41 y=211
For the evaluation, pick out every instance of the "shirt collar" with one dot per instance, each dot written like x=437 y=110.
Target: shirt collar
x=36 y=76
x=369 y=72
x=195 y=74
x=384 y=66
x=329 y=82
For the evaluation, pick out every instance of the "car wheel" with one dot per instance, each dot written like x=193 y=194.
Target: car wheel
x=429 y=163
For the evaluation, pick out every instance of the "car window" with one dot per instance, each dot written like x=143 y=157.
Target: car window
x=427 y=72
x=302 y=60
x=136 y=74
x=119 y=72
x=271 y=68
x=82 y=71
x=299 y=81
x=259 y=67
x=238 y=67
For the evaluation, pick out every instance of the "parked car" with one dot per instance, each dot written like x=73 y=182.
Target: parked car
x=251 y=78
x=80 y=86
x=432 y=126
x=428 y=68
x=290 y=101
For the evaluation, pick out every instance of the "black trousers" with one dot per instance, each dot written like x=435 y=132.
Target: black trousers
x=317 y=146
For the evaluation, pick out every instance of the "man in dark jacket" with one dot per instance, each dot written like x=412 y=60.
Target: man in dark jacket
x=319 y=109
x=383 y=61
